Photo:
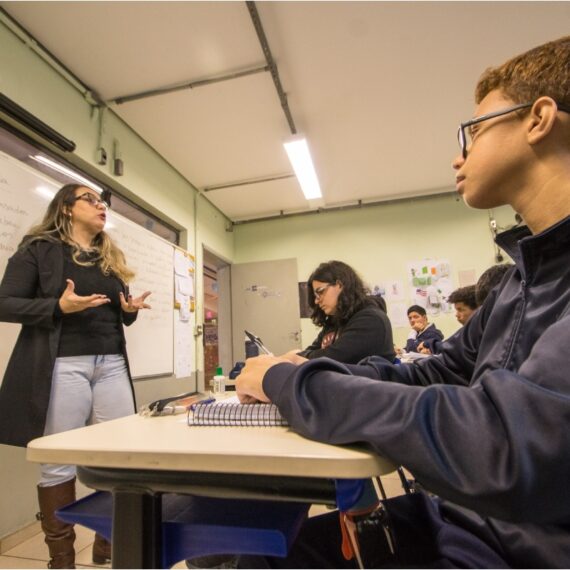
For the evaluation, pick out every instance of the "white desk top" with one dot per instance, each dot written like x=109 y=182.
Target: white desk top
x=168 y=443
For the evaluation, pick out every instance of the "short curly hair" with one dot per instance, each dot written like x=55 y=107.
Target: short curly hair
x=465 y=295
x=489 y=279
x=541 y=71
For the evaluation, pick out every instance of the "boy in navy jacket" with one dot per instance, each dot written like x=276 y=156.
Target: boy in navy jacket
x=483 y=425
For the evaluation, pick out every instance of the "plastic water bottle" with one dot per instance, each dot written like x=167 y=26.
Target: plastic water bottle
x=219 y=381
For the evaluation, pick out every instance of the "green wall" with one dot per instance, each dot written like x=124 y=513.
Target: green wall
x=378 y=241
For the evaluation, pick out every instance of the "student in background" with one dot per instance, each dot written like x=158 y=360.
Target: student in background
x=465 y=305
x=67 y=286
x=482 y=426
x=422 y=329
x=463 y=300
x=352 y=325
x=489 y=279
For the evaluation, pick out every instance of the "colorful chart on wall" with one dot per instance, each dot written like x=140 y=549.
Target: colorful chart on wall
x=430 y=284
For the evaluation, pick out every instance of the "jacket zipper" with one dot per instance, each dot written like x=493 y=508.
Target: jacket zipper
x=518 y=325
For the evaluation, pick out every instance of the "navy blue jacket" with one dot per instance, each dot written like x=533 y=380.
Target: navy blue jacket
x=430 y=333
x=484 y=424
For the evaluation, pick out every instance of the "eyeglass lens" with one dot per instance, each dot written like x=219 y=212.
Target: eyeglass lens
x=465 y=133
x=320 y=291
x=93 y=200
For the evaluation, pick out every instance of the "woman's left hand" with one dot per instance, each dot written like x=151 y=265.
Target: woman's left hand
x=132 y=305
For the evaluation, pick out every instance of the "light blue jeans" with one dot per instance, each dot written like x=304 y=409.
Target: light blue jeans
x=84 y=390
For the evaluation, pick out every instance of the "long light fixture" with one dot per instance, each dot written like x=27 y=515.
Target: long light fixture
x=298 y=152
x=67 y=171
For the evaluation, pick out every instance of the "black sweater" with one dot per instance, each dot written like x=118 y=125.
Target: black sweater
x=96 y=330
x=367 y=333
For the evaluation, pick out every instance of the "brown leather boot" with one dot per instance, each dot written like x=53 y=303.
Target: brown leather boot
x=60 y=536
x=101 y=550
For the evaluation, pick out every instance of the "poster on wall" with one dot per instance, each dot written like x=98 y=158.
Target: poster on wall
x=390 y=290
x=430 y=284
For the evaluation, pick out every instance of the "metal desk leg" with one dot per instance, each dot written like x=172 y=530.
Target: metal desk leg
x=137 y=529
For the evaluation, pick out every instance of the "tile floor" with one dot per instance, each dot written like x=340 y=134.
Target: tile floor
x=33 y=552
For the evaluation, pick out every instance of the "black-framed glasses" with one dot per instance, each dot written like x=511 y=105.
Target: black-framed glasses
x=91 y=199
x=320 y=291
x=465 y=134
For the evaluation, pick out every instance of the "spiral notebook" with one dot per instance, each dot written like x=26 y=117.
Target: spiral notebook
x=230 y=412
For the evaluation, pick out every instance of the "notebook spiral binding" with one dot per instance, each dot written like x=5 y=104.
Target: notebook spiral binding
x=224 y=414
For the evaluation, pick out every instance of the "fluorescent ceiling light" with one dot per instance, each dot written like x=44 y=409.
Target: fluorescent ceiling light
x=300 y=158
x=67 y=171
x=45 y=192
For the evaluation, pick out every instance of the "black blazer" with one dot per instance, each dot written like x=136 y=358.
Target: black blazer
x=29 y=292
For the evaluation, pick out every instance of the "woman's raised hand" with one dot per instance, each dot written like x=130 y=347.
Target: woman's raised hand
x=69 y=302
x=132 y=305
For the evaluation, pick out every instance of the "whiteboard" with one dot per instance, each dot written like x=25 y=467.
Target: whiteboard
x=24 y=196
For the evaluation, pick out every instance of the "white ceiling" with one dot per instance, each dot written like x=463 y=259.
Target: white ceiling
x=378 y=88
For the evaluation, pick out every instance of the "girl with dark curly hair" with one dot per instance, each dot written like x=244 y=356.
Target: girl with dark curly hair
x=353 y=325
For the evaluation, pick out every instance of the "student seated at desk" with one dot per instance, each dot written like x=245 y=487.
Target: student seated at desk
x=484 y=425
x=489 y=279
x=353 y=325
x=422 y=330
x=464 y=303
x=463 y=299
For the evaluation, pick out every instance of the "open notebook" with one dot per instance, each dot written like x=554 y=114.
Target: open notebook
x=230 y=412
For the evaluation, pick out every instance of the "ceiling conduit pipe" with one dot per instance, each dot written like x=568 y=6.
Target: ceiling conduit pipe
x=254 y=14
x=329 y=209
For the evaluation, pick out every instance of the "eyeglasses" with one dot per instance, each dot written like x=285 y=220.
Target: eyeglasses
x=91 y=199
x=465 y=134
x=319 y=292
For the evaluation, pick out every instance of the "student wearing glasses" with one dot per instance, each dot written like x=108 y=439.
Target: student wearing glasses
x=353 y=325
x=482 y=426
x=67 y=286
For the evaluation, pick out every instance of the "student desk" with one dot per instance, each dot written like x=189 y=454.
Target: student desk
x=139 y=458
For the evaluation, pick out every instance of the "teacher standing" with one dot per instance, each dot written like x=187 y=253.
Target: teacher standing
x=67 y=285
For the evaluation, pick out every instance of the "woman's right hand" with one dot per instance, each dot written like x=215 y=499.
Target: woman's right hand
x=69 y=302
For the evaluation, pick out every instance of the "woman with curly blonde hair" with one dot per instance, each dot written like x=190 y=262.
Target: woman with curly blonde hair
x=67 y=286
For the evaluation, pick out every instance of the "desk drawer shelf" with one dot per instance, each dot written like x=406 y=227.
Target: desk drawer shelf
x=199 y=526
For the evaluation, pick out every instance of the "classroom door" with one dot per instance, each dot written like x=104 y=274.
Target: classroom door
x=265 y=301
